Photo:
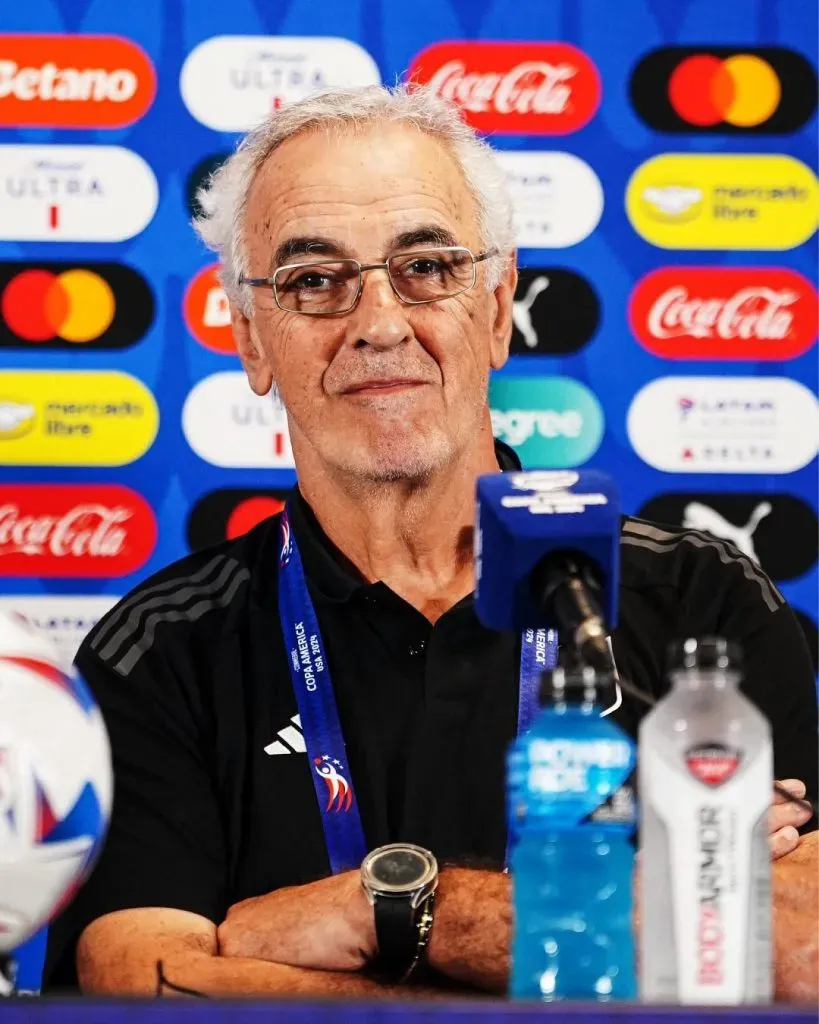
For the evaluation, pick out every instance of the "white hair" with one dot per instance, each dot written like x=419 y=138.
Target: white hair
x=224 y=198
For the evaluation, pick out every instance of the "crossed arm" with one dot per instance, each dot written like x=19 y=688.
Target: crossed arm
x=314 y=940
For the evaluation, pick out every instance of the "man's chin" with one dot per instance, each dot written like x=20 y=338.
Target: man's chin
x=389 y=460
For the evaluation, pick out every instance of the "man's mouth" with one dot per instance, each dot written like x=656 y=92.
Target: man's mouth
x=383 y=385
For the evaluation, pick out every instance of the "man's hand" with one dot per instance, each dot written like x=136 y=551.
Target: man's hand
x=328 y=925
x=785 y=817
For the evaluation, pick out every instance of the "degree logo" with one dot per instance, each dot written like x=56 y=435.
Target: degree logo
x=229 y=513
x=704 y=201
x=207 y=312
x=552 y=422
x=680 y=89
x=67 y=418
x=73 y=81
x=65 y=306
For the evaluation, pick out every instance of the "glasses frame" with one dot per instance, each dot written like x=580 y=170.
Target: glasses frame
x=270 y=282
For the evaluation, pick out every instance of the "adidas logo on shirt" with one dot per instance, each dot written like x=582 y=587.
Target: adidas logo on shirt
x=290 y=739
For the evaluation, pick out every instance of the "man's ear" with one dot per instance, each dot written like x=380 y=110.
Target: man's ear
x=504 y=296
x=250 y=352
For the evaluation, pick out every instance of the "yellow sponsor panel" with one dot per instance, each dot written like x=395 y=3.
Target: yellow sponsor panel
x=69 y=418
x=723 y=201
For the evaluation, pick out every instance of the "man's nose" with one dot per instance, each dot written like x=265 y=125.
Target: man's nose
x=380 y=318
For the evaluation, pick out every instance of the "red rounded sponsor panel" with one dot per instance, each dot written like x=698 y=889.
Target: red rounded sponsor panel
x=207 y=313
x=754 y=313
x=250 y=513
x=93 y=530
x=513 y=88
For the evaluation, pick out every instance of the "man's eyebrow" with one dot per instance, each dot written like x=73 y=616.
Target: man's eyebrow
x=427 y=234
x=306 y=246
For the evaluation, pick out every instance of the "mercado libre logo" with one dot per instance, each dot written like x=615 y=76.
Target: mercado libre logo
x=765 y=90
x=551 y=422
x=748 y=313
x=74 y=194
x=723 y=201
x=231 y=512
x=207 y=313
x=66 y=530
x=73 y=81
x=71 y=306
x=68 y=418
x=513 y=88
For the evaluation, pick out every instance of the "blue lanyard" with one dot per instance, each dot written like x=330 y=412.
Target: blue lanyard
x=315 y=698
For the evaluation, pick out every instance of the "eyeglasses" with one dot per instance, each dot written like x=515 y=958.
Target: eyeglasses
x=333 y=287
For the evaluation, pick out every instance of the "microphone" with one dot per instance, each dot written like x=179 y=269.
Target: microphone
x=547 y=554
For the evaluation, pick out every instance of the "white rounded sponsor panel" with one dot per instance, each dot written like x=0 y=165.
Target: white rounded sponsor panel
x=65 y=620
x=74 y=194
x=231 y=83
x=557 y=198
x=227 y=425
x=724 y=424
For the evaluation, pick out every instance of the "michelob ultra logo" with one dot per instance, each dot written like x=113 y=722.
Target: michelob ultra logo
x=552 y=422
x=723 y=201
x=67 y=418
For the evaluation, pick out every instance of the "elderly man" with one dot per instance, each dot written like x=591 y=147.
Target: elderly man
x=286 y=702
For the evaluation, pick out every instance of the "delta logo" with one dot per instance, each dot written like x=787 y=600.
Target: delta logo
x=65 y=530
x=74 y=194
x=68 y=418
x=70 y=306
x=723 y=201
x=513 y=88
x=763 y=90
x=207 y=312
x=73 y=81
x=229 y=513
x=751 y=313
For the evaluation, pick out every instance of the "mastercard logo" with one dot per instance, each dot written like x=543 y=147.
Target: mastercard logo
x=767 y=90
x=207 y=313
x=229 y=513
x=63 y=305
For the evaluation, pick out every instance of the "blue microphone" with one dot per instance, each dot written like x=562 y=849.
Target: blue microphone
x=547 y=554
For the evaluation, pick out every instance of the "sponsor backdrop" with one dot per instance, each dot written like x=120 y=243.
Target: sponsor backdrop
x=662 y=159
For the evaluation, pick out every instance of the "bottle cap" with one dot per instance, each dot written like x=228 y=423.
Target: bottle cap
x=578 y=685
x=704 y=652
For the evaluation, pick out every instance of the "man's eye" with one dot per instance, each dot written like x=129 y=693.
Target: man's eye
x=425 y=267
x=308 y=282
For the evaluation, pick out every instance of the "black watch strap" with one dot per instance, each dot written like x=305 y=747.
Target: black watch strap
x=397 y=933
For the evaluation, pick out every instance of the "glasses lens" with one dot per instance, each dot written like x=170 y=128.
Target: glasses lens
x=432 y=274
x=317 y=287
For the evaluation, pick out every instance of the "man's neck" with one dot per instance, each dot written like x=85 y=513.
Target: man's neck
x=416 y=537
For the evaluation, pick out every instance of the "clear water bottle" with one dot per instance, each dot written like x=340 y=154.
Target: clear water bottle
x=571 y=817
x=706 y=778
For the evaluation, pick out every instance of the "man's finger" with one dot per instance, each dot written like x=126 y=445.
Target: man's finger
x=794 y=786
x=781 y=815
x=783 y=842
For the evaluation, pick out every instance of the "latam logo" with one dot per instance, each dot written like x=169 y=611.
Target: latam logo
x=724 y=313
x=73 y=81
x=61 y=530
x=765 y=90
x=231 y=83
x=513 y=88
x=207 y=312
x=74 y=194
x=229 y=513
x=64 y=620
x=557 y=198
x=723 y=201
x=227 y=425
x=724 y=424
x=70 y=306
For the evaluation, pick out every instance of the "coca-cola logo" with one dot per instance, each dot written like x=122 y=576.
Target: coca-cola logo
x=56 y=530
x=724 y=313
x=513 y=88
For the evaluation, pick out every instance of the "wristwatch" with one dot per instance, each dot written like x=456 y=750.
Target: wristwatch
x=400 y=881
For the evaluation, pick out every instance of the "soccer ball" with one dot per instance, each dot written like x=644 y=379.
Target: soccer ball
x=55 y=782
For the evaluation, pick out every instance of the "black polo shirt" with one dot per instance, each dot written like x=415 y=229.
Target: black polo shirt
x=214 y=800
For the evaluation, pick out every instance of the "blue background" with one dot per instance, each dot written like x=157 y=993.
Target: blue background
x=614 y=33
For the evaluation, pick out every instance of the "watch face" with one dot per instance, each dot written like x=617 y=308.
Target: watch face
x=398 y=869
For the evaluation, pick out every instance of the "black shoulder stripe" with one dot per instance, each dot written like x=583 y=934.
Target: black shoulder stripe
x=122 y=610
x=653 y=538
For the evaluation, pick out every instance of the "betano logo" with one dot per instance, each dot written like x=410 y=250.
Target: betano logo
x=725 y=201
x=763 y=90
x=552 y=422
x=207 y=312
x=62 y=305
x=73 y=81
x=68 y=418
x=74 y=194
